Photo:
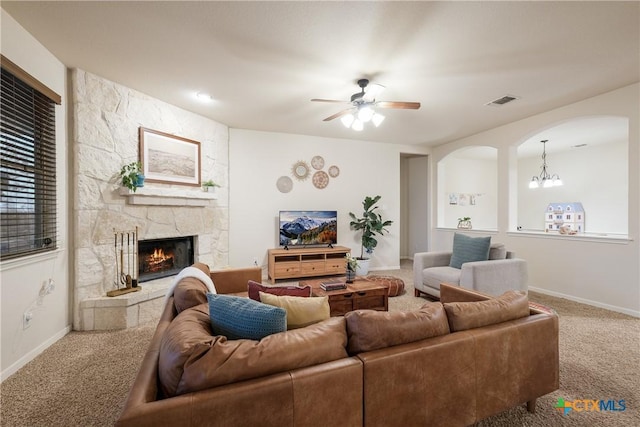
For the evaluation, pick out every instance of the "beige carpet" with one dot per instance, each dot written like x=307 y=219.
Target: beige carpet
x=83 y=379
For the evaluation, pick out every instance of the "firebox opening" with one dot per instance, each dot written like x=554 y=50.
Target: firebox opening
x=164 y=257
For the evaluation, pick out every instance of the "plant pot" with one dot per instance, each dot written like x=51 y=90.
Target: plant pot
x=139 y=180
x=363 y=267
x=464 y=225
x=351 y=275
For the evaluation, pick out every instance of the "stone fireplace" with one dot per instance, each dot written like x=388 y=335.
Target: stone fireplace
x=159 y=258
x=106 y=118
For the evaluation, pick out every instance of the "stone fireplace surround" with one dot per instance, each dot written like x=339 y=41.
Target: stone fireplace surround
x=106 y=117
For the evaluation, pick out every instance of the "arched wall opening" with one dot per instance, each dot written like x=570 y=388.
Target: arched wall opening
x=468 y=187
x=590 y=155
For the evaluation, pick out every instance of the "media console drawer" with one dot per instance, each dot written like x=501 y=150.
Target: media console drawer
x=307 y=262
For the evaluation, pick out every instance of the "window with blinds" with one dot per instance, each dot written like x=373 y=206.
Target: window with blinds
x=28 y=170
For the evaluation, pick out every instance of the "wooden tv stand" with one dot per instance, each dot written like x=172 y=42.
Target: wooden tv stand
x=307 y=262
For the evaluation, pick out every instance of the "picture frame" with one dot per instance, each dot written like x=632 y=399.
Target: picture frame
x=169 y=159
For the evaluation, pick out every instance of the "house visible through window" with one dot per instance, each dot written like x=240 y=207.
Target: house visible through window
x=28 y=201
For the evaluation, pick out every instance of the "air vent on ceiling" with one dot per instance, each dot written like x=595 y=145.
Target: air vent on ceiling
x=501 y=101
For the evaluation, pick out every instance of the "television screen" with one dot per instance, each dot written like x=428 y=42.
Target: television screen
x=300 y=228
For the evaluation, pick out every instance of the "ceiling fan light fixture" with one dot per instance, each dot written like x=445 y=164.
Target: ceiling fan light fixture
x=347 y=120
x=377 y=119
x=357 y=125
x=365 y=113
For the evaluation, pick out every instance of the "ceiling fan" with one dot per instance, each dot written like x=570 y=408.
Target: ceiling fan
x=362 y=106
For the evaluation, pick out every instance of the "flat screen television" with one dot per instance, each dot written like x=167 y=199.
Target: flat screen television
x=304 y=228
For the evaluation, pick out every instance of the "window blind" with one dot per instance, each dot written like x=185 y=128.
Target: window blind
x=28 y=204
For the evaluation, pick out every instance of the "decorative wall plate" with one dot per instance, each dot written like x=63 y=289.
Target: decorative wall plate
x=317 y=162
x=320 y=179
x=300 y=170
x=284 y=184
x=334 y=171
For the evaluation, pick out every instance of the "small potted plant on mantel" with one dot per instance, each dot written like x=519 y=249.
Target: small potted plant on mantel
x=131 y=175
x=209 y=186
x=371 y=223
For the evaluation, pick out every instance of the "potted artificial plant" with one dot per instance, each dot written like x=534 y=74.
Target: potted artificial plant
x=370 y=223
x=132 y=176
x=464 y=223
x=209 y=186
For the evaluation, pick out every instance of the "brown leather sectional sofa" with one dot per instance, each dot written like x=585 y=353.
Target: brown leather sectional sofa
x=434 y=366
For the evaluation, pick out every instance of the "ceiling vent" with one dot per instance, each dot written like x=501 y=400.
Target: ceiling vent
x=501 y=101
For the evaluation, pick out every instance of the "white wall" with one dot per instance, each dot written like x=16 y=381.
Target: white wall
x=22 y=279
x=596 y=176
x=602 y=272
x=258 y=159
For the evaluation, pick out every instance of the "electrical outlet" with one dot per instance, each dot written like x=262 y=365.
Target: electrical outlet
x=27 y=317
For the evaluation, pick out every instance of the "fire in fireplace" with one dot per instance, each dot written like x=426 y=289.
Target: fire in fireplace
x=164 y=257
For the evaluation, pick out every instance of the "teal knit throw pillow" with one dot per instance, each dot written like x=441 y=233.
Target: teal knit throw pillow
x=243 y=318
x=469 y=249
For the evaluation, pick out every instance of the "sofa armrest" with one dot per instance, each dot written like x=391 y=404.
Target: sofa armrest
x=496 y=276
x=422 y=260
x=455 y=293
x=234 y=280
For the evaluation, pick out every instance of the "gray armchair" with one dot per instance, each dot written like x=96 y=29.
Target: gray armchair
x=500 y=273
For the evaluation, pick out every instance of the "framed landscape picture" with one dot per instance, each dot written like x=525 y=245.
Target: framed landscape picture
x=168 y=158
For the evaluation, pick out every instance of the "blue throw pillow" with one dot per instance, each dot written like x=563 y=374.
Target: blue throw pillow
x=469 y=249
x=243 y=318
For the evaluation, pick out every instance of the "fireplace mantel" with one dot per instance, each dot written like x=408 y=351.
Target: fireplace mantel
x=168 y=197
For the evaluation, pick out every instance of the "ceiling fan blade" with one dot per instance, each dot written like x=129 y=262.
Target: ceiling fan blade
x=402 y=105
x=340 y=114
x=372 y=91
x=329 y=100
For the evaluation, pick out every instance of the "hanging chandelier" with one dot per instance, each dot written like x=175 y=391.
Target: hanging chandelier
x=545 y=179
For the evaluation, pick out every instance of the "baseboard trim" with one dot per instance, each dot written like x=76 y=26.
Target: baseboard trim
x=15 y=367
x=615 y=308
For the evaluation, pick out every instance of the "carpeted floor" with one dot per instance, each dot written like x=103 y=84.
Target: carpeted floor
x=83 y=379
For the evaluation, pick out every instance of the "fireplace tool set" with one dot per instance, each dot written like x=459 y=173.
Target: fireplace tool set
x=125 y=247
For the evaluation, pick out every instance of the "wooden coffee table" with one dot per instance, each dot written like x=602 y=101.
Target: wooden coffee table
x=361 y=294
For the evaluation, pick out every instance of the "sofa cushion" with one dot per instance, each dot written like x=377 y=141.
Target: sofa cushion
x=301 y=311
x=243 y=318
x=192 y=359
x=254 y=288
x=469 y=249
x=370 y=330
x=497 y=251
x=468 y=315
x=434 y=276
x=191 y=291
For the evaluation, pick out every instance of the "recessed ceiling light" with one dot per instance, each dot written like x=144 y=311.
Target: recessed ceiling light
x=204 y=97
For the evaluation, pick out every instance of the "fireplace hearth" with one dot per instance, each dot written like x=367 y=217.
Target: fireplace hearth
x=164 y=257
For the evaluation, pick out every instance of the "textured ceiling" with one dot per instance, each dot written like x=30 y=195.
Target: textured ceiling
x=263 y=61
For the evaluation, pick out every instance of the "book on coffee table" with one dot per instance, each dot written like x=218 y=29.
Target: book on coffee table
x=333 y=285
